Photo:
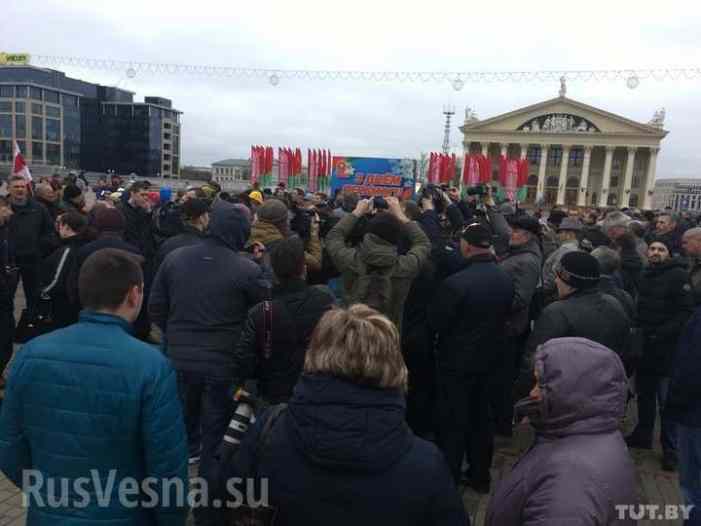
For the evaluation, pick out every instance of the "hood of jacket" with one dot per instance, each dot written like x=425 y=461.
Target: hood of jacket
x=265 y=232
x=584 y=387
x=230 y=226
x=377 y=252
x=341 y=425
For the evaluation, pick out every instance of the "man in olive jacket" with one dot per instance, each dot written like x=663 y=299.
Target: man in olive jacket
x=373 y=272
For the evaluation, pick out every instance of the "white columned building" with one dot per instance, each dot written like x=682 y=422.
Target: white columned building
x=578 y=155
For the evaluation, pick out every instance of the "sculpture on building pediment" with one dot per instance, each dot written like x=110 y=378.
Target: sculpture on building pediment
x=535 y=125
x=470 y=115
x=582 y=126
x=563 y=86
x=658 y=118
x=558 y=123
x=547 y=125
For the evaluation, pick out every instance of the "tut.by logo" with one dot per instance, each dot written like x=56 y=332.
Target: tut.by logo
x=654 y=512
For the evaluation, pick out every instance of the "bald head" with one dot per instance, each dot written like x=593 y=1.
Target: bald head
x=46 y=192
x=691 y=242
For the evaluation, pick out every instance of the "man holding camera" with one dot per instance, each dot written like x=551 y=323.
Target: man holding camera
x=373 y=272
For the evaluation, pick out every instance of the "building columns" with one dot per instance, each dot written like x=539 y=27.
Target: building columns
x=584 y=177
x=504 y=149
x=562 y=181
x=624 y=199
x=650 y=179
x=540 y=190
x=485 y=149
x=606 y=179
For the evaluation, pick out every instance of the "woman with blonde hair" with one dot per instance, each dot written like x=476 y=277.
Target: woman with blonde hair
x=340 y=452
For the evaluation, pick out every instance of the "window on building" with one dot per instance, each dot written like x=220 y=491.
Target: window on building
x=166 y=146
x=35 y=93
x=141 y=111
x=6 y=126
x=53 y=111
x=7 y=91
x=51 y=96
x=21 y=92
x=5 y=150
x=69 y=101
x=552 y=181
x=37 y=109
x=20 y=126
x=166 y=136
x=633 y=201
x=166 y=157
x=166 y=168
x=38 y=151
x=37 y=128
x=19 y=107
x=576 y=157
x=533 y=155
x=166 y=125
x=5 y=106
x=53 y=154
x=53 y=130
x=124 y=110
x=555 y=156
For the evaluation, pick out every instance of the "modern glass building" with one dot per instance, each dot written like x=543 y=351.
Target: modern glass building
x=59 y=121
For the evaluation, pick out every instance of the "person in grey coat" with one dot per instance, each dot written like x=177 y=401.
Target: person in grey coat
x=578 y=471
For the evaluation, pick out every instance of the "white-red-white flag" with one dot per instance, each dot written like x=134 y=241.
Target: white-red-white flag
x=20 y=167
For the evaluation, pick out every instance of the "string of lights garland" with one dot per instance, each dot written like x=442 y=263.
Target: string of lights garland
x=457 y=79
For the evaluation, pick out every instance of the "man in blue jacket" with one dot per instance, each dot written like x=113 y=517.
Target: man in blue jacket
x=91 y=426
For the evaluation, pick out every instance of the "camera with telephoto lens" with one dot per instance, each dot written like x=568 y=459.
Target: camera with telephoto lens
x=479 y=191
x=433 y=192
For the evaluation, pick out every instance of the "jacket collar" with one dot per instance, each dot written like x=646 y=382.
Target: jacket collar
x=290 y=286
x=482 y=258
x=91 y=316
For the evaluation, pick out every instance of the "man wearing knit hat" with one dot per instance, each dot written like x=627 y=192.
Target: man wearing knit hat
x=195 y=216
x=274 y=224
x=73 y=199
x=469 y=312
x=665 y=304
x=582 y=311
x=373 y=272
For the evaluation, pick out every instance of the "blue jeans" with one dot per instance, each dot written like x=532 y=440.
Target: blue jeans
x=689 y=441
x=652 y=393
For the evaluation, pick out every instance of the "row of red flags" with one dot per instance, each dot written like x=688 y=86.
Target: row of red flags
x=290 y=167
x=477 y=169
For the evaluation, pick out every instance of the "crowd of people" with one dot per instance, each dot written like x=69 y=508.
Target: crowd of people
x=390 y=339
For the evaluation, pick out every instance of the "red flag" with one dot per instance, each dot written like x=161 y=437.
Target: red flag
x=522 y=173
x=20 y=167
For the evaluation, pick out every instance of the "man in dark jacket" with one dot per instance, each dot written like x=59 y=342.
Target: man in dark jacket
x=691 y=243
x=664 y=306
x=276 y=334
x=667 y=230
x=200 y=300
x=582 y=311
x=7 y=276
x=610 y=283
x=684 y=409
x=74 y=199
x=523 y=263
x=139 y=224
x=47 y=196
x=195 y=221
x=469 y=312
x=31 y=237
x=91 y=403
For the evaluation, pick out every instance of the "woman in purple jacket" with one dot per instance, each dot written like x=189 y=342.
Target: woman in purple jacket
x=578 y=471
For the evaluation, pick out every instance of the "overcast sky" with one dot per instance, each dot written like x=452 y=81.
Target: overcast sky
x=223 y=117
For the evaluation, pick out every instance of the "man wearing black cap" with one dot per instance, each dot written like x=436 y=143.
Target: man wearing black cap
x=582 y=311
x=665 y=304
x=469 y=312
x=195 y=221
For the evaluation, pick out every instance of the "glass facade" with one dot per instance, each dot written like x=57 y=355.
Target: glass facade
x=67 y=122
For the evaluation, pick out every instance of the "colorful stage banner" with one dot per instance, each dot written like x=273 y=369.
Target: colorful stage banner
x=369 y=176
